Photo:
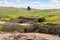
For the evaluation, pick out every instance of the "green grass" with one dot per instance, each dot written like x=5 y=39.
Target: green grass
x=6 y=13
x=1 y=25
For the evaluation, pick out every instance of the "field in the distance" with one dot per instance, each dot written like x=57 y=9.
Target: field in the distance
x=51 y=16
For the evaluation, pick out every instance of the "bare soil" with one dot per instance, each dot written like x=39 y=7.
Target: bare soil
x=27 y=36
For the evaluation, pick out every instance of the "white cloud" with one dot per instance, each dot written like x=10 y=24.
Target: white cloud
x=17 y=0
x=3 y=2
x=55 y=1
x=54 y=4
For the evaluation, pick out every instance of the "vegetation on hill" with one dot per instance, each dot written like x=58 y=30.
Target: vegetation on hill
x=11 y=14
x=48 y=16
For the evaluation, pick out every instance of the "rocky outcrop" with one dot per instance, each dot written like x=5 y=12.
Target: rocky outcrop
x=30 y=28
x=25 y=19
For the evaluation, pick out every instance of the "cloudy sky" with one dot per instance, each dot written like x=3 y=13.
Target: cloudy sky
x=37 y=4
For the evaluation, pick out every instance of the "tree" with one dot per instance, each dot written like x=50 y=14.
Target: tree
x=28 y=8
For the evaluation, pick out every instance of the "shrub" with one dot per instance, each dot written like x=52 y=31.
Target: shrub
x=28 y=8
x=43 y=29
x=50 y=29
x=10 y=28
x=42 y=19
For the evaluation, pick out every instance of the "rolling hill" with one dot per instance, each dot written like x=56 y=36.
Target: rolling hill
x=8 y=13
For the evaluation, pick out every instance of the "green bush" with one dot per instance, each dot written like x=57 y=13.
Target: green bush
x=1 y=25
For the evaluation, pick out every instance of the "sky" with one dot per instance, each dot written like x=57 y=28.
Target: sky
x=37 y=4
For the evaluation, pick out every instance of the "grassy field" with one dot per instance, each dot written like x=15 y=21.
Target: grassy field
x=51 y=16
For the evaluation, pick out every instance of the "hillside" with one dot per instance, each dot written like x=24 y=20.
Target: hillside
x=8 y=13
x=10 y=18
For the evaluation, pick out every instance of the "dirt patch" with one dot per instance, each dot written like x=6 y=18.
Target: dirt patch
x=27 y=36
